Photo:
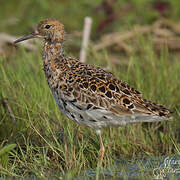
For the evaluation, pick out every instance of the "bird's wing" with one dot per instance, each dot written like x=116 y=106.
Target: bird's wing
x=91 y=88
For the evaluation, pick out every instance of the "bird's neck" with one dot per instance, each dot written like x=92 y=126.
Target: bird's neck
x=52 y=50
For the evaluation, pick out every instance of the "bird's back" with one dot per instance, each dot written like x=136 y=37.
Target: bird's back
x=94 y=97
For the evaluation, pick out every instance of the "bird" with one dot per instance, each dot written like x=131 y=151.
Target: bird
x=90 y=95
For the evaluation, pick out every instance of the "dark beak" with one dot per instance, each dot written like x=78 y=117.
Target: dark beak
x=30 y=36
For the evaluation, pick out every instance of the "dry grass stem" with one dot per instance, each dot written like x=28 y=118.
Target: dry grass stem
x=163 y=32
x=86 y=35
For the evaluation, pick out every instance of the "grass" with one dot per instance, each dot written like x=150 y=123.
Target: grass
x=43 y=141
x=48 y=141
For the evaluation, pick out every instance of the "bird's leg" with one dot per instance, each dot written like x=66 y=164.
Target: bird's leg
x=102 y=149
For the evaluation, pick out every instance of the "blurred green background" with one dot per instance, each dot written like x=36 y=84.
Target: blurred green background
x=41 y=139
x=27 y=13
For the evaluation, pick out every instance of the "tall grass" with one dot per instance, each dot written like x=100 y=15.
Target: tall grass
x=43 y=141
x=47 y=141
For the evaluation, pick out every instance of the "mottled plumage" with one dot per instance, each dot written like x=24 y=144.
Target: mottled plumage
x=87 y=94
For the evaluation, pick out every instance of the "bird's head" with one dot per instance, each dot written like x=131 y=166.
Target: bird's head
x=51 y=30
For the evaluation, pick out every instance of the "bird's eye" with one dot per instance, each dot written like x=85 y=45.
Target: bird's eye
x=47 y=26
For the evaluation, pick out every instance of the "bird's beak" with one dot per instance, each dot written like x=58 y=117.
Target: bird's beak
x=30 y=36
